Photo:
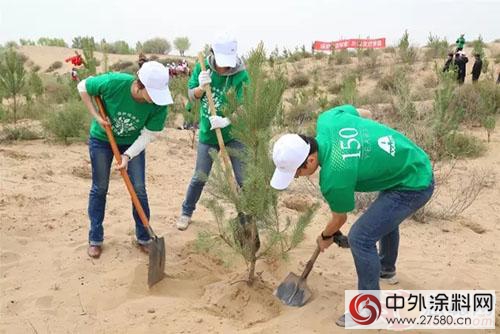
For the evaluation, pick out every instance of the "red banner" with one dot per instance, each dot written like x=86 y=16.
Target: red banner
x=354 y=43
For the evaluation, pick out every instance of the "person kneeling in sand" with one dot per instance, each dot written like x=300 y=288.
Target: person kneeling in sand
x=357 y=154
x=136 y=109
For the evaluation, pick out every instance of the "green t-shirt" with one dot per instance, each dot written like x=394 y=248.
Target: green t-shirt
x=220 y=85
x=360 y=155
x=128 y=117
x=460 y=42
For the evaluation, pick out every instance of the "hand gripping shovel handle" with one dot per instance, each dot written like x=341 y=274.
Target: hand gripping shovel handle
x=220 y=139
x=123 y=172
x=310 y=264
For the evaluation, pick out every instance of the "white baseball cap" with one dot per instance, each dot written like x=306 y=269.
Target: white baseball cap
x=225 y=48
x=289 y=152
x=154 y=76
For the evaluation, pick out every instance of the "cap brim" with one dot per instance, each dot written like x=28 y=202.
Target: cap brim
x=281 y=180
x=224 y=60
x=160 y=97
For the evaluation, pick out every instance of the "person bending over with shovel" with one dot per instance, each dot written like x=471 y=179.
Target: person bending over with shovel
x=136 y=109
x=357 y=154
x=225 y=70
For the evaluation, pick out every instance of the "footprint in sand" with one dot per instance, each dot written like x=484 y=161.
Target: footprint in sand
x=9 y=257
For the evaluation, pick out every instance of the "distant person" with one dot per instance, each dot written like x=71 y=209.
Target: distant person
x=449 y=62
x=142 y=59
x=76 y=60
x=476 y=69
x=136 y=110
x=74 y=74
x=461 y=60
x=498 y=78
x=460 y=43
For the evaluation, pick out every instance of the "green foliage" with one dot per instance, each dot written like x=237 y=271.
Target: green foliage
x=156 y=45
x=341 y=57
x=182 y=44
x=47 y=41
x=120 y=47
x=478 y=46
x=261 y=106
x=54 y=66
x=25 y=42
x=34 y=85
x=302 y=109
x=437 y=47
x=90 y=62
x=12 y=133
x=12 y=77
x=348 y=91
x=124 y=66
x=407 y=53
x=70 y=121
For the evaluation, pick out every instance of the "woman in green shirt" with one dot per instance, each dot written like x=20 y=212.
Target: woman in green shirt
x=225 y=70
x=136 y=110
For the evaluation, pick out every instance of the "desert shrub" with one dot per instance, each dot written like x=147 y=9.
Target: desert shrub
x=299 y=80
x=121 y=65
x=57 y=93
x=375 y=96
x=54 y=66
x=437 y=48
x=334 y=87
x=459 y=145
x=70 y=121
x=430 y=81
x=341 y=57
x=388 y=81
x=12 y=133
x=36 y=68
x=478 y=101
x=406 y=53
x=348 y=93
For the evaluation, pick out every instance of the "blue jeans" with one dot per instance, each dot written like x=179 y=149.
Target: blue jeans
x=381 y=222
x=101 y=158
x=202 y=171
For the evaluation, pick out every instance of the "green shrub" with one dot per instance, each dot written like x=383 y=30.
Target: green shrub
x=11 y=133
x=70 y=121
x=437 y=48
x=54 y=66
x=121 y=65
x=458 y=145
x=407 y=53
x=341 y=57
x=57 y=93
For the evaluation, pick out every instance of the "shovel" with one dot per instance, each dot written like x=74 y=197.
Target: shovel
x=293 y=291
x=156 y=271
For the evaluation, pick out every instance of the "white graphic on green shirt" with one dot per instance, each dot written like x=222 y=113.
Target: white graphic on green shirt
x=217 y=94
x=387 y=144
x=124 y=123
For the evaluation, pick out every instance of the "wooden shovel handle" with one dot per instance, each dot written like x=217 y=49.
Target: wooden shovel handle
x=123 y=172
x=220 y=139
x=310 y=263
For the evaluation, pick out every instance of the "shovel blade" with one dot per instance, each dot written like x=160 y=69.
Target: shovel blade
x=293 y=291
x=156 y=271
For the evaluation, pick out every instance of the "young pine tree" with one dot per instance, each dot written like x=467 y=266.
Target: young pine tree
x=256 y=203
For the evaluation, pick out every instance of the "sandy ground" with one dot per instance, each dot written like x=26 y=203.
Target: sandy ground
x=49 y=285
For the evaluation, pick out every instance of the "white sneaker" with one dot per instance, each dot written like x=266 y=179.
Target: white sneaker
x=183 y=222
x=390 y=279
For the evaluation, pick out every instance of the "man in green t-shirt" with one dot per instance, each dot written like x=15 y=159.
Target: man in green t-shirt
x=357 y=154
x=460 y=43
x=225 y=70
x=136 y=110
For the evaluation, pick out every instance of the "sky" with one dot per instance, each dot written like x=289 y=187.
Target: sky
x=283 y=23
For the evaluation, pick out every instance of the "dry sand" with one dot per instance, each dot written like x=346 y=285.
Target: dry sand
x=49 y=285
